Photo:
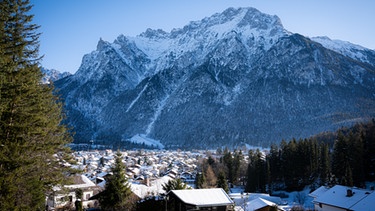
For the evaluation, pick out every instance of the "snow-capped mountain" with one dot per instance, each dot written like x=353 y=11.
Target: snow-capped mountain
x=52 y=75
x=235 y=77
x=348 y=49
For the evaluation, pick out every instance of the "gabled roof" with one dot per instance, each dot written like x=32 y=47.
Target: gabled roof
x=367 y=204
x=203 y=197
x=80 y=181
x=318 y=192
x=273 y=199
x=259 y=203
x=337 y=196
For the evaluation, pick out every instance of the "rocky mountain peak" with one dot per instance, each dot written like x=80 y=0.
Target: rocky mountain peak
x=101 y=45
x=52 y=75
x=236 y=76
x=154 y=34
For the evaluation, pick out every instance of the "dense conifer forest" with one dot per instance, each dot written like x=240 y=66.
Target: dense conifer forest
x=343 y=157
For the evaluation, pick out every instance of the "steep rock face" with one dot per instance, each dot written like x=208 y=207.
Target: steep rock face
x=235 y=77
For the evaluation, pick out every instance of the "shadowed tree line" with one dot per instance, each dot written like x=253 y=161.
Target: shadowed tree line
x=346 y=157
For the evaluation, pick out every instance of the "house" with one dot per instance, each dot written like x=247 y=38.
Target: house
x=66 y=196
x=260 y=204
x=199 y=199
x=342 y=198
x=256 y=201
x=188 y=177
x=154 y=187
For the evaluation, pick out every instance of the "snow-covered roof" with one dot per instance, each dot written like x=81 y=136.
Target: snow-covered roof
x=259 y=203
x=318 y=192
x=81 y=181
x=273 y=199
x=367 y=204
x=204 y=197
x=84 y=183
x=337 y=196
x=156 y=187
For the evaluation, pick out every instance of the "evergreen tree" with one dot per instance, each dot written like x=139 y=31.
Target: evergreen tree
x=117 y=193
x=175 y=184
x=357 y=155
x=237 y=159
x=256 y=172
x=228 y=162
x=348 y=177
x=200 y=181
x=369 y=150
x=324 y=163
x=274 y=162
x=30 y=115
x=210 y=160
x=342 y=157
x=251 y=174
x=222 y=182
x=268 y=177
x=101 y=162
x=232 y=162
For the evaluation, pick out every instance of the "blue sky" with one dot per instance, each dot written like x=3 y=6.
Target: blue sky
x=72 y=28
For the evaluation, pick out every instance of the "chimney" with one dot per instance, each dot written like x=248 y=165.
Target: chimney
x=147 y=181
x=349 y=193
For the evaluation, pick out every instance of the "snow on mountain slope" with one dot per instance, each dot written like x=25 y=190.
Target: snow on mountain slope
x=346 y=48
x=234 y=77
x=199 y=37
x=142 y=139
x=52 y=75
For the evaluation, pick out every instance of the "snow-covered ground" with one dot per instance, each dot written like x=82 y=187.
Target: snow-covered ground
x=143 y=139
x=241 y=199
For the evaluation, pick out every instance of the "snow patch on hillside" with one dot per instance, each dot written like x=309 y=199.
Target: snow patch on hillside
x=156 y=114
x=136 y=99
x=143 y=139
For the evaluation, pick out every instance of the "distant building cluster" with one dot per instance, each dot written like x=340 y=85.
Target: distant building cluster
x=147 y=172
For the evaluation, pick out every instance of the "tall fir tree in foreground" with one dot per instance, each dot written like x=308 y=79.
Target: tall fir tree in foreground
x=117 y=194
x=30 y=131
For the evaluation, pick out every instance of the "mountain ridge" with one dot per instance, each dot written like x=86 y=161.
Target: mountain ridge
x=52 y=75
x=214 y=81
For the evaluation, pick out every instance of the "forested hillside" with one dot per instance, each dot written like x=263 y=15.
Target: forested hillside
x=343 y=157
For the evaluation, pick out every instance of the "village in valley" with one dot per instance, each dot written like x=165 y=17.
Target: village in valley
x=148 y=170
x=197 y=118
